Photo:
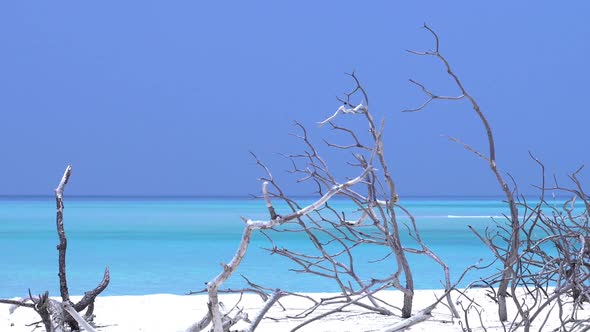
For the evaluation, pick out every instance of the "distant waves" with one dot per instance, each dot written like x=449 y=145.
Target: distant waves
x=452 y=216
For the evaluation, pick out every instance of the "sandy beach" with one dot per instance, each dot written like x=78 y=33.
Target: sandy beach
x=166 y=312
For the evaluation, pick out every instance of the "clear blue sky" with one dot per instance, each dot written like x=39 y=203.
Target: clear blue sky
x=168 y=97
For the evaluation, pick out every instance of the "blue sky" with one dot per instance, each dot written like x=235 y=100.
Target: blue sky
x=168 y=97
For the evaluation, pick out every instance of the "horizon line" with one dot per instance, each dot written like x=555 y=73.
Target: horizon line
x=242 y=196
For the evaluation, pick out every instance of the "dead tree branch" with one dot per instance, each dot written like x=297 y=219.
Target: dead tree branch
x=250 y=226
x=56 y=315
x=509 y=259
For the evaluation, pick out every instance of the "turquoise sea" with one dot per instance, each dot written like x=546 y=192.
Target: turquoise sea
x=174 y=245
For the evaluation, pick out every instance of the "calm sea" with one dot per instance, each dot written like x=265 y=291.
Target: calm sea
x=174 y=245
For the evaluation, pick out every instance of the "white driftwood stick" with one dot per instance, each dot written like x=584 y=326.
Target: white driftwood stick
x=357 y=222
x=57 y=315
x=271 y=209
x=342 y=109
x=276 y=295
x=257 y=224
x=202 y=324
x=83 y=323
x=13 y=307
x=421 y=316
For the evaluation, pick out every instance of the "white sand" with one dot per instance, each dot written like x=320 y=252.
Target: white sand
x=164 y=312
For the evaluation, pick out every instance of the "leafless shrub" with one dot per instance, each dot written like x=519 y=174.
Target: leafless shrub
x=333 y=236
x=543 y=251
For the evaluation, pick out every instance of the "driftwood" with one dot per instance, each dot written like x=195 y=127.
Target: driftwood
x=332 y=235
x=57 y=315
x=267 y=305
x=509 y=257
x=543 y=251
x=551 y=280
x=250 y=225
x=420 y=316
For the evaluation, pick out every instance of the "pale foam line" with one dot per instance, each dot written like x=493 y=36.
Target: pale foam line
x=450 y=216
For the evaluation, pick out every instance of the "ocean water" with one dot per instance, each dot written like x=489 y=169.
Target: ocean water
x=175 y=245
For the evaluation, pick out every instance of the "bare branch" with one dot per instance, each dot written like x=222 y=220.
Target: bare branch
x=63 y=242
